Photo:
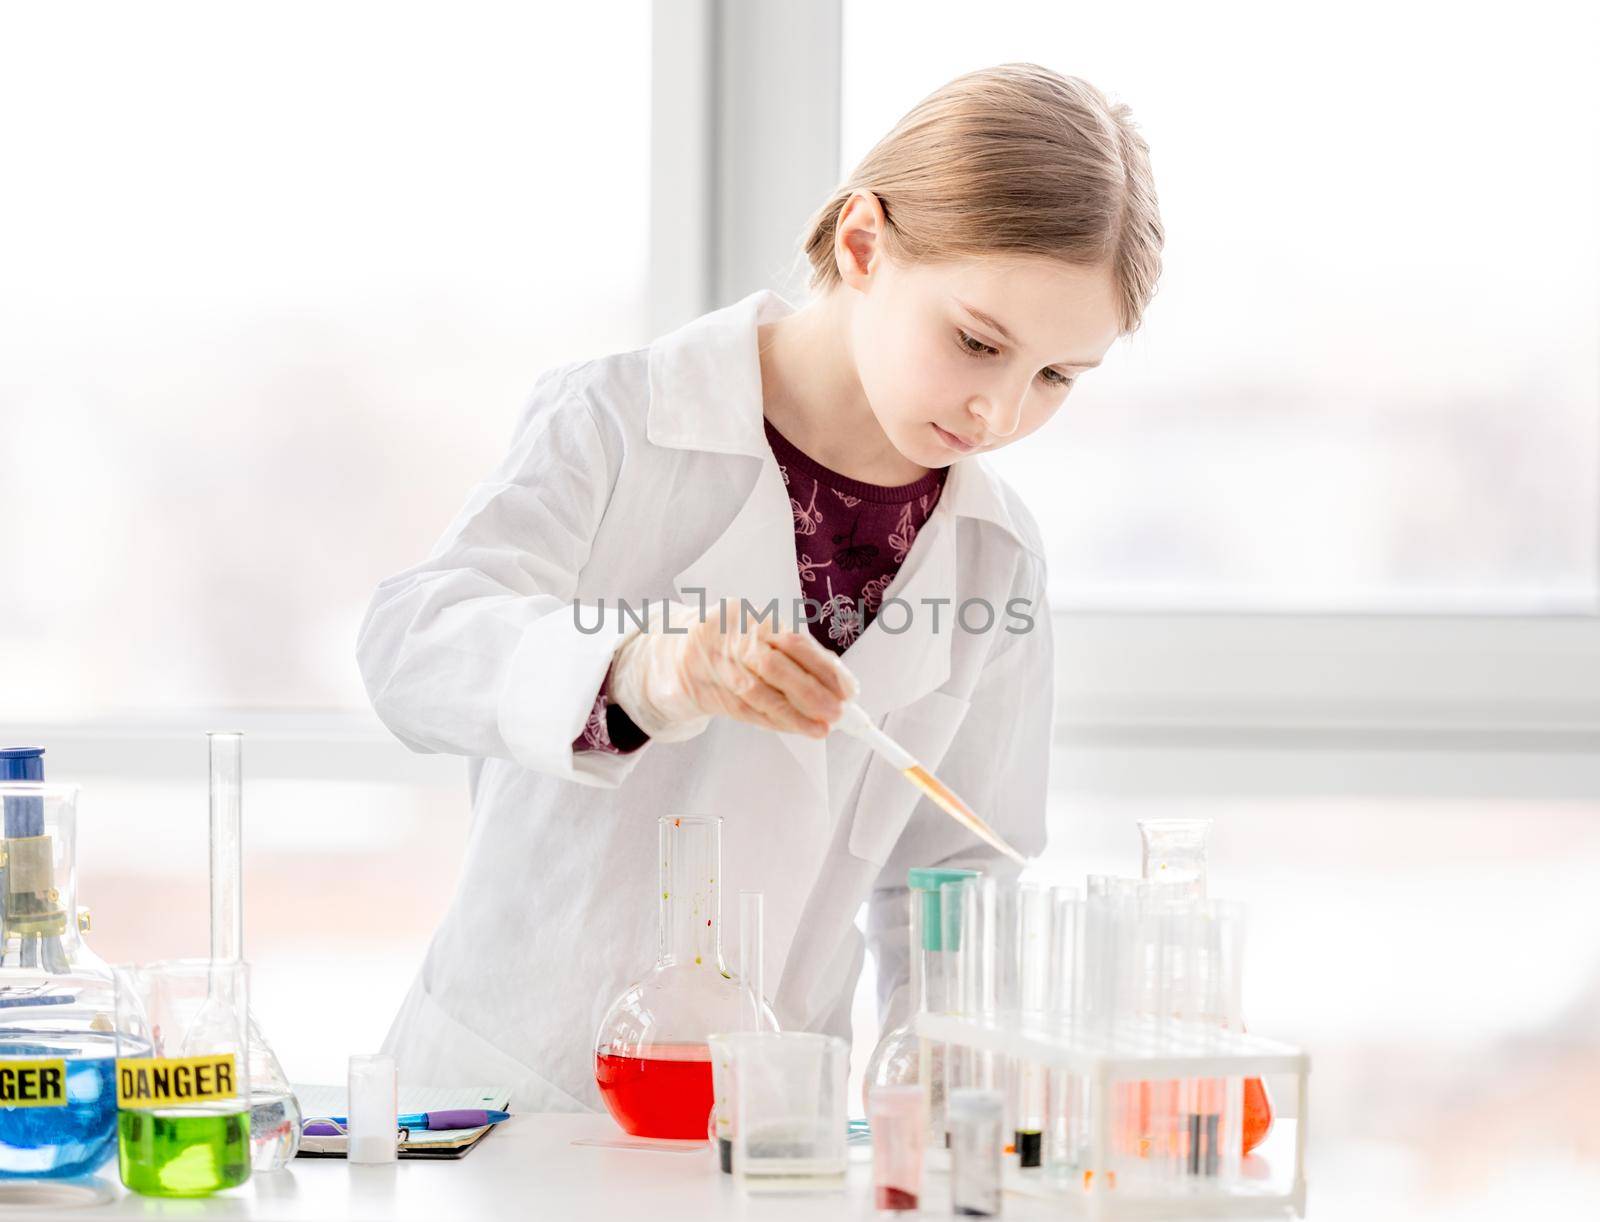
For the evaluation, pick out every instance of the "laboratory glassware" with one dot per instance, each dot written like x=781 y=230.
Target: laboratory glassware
x=652 y=1059
x=274 y=1110
x=752 y=1017
x=858 y=724
x=1141 y=1045
x=903 y=1058
x=57 y=999
x=1025 y=911
x=183 y=1077
x=1174 y=851
x=898 y=1137
x=976 y=1119
x=374 y=1117
x=971 y=910
x=789 y=1123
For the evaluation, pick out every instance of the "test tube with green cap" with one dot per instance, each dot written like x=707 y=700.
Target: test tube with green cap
x=902 y=1058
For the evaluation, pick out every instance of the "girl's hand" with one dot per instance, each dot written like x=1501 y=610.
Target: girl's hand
x=670 y=682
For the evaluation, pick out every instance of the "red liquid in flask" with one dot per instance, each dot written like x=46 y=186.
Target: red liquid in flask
x=665 y=1094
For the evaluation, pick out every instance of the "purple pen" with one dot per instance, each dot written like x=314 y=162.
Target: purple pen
x=455 y=1118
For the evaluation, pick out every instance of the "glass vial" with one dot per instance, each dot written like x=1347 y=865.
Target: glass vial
x=976 y=1119
x=895 y=1114
x=374 y=1116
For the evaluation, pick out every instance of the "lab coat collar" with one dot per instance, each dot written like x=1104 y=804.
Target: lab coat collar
x=705 y=394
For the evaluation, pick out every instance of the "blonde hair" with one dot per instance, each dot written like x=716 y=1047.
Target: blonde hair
x=1017 y=160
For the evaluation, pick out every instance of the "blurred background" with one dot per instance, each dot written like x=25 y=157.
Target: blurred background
x=1324 y=534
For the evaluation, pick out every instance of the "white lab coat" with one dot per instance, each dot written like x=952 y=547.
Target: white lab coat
x=647 y=475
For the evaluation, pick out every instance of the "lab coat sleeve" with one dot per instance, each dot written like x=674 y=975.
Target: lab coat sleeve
x=609 y=728
x=478 y=650
x=999 y=762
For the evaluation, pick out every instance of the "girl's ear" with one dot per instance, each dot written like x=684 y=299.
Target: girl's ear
x=858 y=239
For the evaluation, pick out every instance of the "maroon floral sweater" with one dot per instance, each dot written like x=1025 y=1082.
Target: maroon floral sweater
x=850 y=540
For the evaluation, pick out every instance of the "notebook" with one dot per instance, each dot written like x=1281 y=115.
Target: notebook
x=323 y=1101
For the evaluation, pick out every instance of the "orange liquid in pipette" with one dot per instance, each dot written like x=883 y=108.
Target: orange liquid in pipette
x=945 y=798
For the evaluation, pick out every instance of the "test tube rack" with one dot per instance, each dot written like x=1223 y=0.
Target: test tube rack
x=1138 y=1051
x=1111 y=1025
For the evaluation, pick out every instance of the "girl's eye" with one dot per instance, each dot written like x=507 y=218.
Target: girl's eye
x=1056 y=378
x=976 y=346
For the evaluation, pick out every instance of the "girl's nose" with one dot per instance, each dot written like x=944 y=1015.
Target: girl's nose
x=1000 y=416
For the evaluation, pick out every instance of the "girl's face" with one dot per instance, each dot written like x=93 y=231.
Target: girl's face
x=962 y=358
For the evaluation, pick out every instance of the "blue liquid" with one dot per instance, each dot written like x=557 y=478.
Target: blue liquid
x=63 y=1141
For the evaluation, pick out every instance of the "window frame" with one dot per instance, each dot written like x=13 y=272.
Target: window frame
x=1147 y=703
x=759 y=86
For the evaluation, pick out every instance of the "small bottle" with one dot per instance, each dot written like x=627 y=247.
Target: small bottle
x=976 y=1120
x=895 y=1113
x=374 y=1110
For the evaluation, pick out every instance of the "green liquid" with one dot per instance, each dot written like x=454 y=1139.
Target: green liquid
x=187 y=1153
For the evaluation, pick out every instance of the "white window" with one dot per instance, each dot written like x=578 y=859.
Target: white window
x=277 y=282
x=1371 y=377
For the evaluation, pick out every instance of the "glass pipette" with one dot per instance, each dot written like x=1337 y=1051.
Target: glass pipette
x=857 y=724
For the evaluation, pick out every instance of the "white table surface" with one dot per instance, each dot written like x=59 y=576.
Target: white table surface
x=527 y=1168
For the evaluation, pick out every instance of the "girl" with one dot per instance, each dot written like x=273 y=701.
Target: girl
x=984 y=256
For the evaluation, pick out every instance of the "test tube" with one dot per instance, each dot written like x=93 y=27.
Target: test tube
x=895 y=1113
x=752 y=1017
x=752 y=970
x=374 y=1115
x=976 y=1118
x=1066 y=1099
x=972 y=921
x=227 y=906
x=1023 y=1000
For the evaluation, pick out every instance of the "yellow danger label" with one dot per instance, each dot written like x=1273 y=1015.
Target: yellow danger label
x=163 y=1081
x=33 y=1083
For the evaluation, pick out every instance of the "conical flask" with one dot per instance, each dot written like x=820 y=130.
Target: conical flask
x=274 y=1110
x=652 y=1061
x=1174 y=851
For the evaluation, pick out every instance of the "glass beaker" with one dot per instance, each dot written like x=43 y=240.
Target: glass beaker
x=1174 y=851
x=274 y=1110
x=183 y=1077
x=901 y=1057
x=789 y=1124
x=652 y=1061
x=57 y=1003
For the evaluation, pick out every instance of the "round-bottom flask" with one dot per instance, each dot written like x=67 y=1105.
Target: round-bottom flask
x=652 y=1061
